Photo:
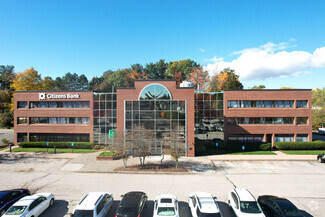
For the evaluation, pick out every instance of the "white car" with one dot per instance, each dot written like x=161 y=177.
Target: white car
x=203 y=204
x=166 y=205
x=94 y=204
x=30 y=206
x=244 y=204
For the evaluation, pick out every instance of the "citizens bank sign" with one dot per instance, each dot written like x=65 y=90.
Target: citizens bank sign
x=44 y=96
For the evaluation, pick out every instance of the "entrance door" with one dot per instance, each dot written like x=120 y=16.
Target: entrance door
x=269 y=138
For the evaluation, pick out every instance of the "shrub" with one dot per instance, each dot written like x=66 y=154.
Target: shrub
x=5 y=141
x=249 y=146
x=315 y=145
x=108 y=154
x=77 y=145
x=96 y=147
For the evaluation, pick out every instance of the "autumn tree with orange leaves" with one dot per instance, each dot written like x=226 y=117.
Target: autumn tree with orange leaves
x=199 y=78
x=225 y=80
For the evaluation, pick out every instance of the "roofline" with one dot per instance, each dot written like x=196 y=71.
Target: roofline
x=184 y=87
x=268 y=90
x=35 y=91
x=125 y=88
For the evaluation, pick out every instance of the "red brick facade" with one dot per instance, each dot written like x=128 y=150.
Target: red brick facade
x=177 y=94
x=268 y=129
x=52 y=112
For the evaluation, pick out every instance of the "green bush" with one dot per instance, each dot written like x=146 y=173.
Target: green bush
x=315 y=145
x=249 y=146
x=108 y=154
x=77 y=145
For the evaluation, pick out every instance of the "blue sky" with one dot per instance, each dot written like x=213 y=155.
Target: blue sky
x=275 y=43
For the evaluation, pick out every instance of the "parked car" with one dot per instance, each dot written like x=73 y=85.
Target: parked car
x=203 y=204
x=274 y=206
x=9 y=197
x=94 y=204
x=31 y=206
x=321 y=158
x=166 y=205
x=244 y=204
x=132 y=204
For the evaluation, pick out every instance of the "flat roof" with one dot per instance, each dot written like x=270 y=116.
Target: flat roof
x=35 y=91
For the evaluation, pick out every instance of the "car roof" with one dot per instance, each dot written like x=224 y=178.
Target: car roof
x=244 y=194
x=5 y=192
x=26 y=201
x=131 y=199
x=89 y=201
x=166 y=196
x=206 y=202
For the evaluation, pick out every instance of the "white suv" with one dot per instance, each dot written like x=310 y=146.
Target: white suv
x=203 y=205
x=94 y=204
x=244 y=204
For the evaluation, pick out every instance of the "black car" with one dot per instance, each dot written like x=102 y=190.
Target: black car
x=9 y=197
x=278 y=207
x=132 y=204
x=321 y=158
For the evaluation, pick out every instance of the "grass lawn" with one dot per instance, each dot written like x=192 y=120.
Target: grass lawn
x=51 y=150
x=304 y=152
x=253 y=153
x=108 y=153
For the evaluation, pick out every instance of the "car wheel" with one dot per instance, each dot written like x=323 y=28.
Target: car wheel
x=51 y=202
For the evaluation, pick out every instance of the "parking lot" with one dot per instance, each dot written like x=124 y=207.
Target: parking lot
x=301 y=182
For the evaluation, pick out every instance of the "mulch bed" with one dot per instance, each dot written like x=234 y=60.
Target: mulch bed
x=152 y=168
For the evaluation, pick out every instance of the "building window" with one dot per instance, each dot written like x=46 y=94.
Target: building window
x=59 y=120
x=21 y=137
x=284 y=138
x=22 y=120
x=22 y=104
x=302 y=120
x=260 y=104
x=302 y=137
x=245 y=138
x=266 y=120
x=59 y=104
x=154 y=92
x=57 y=137
x=302 y=103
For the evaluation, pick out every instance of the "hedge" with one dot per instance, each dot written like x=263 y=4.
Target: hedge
x=77 y=145
x=315 y=145
x=204 y=145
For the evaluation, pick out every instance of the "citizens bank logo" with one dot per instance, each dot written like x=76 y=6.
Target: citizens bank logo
x=42 y=96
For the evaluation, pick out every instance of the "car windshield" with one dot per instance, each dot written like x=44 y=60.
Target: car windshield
x=210 y=215
x=289 y=210
x=126 y=210
x=250 y=207
x=16 y=210
x=166 y=211
x=83 y=213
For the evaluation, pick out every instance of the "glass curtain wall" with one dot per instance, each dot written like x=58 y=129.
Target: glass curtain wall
x=104 y=117
x=164 y=121
x=209 y=119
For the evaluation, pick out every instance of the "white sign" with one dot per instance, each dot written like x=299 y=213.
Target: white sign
x=44 y=96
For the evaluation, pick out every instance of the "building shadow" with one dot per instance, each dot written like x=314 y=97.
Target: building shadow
x=59 y=209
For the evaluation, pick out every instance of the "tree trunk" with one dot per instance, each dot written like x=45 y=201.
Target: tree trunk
x=124 y=162
x=176 y=162
x=163 y=157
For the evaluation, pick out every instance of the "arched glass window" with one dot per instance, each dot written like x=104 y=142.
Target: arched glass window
x=155 y=91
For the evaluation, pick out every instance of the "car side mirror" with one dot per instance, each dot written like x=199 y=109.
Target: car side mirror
x=215 y=198
x=191 y=197
x=122 y=195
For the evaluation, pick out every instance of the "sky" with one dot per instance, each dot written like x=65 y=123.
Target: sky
x=275 y=43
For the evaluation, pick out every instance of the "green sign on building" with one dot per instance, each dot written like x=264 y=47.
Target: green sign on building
x=112 y=134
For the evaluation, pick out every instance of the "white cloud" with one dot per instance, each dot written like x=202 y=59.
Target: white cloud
x=202 y=50
x=270 y=61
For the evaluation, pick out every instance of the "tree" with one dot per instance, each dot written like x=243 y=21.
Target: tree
x=7 y=75
x=199 y=78
x=318 y=107
x=156 y=70
x=94 y=83
x=142 y=140
x=28 y=80
x=82 y=83
x=137 y=67
x=134 y=75
x=287 y=88
x=183 y=66
x=122 y=147
x=48 y=84
x=261 y=86
x=175 y=149
x=226 y=79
